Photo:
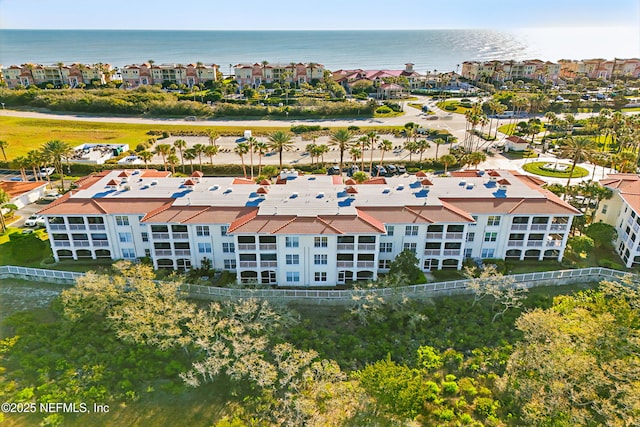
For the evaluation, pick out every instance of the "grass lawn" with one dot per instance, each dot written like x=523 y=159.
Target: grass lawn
x=536 y=168
x=507 y=129
x=459 y=109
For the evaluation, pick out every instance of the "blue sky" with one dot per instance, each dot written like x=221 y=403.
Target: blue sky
x=311 y=15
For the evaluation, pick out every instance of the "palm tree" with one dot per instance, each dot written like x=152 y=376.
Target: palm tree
x=448 y=160
x=312 y=150
x=3 y=146
x=384 y=146
x=199 y=149
x=21 y=163
x=280 y=141
x=56 y=151
x=180 y=145
x=34 y=159
x=164 y=150
x=422 y=146
x=242 y=149
x=252 y=142
x=411 y=147
x=211 y=151
x=320 y=151
x=341 y=139
x=213 y=136
x=4 y=198
x=577 y=149
x=190 y=154
x=146 y=157
x=260 y=147
x=355 y=154
x=475 y=158
x=625 y=162
x=438 y=142
x=364 y=143
x=373 y=138
x=173 y=160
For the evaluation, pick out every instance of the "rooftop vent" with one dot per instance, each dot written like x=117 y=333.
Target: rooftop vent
x=462 y=183
x=386 y=190
x=214 y=187
x=154 y=182
x=228 y=190
x=470 y=186
x=293 y=195
x=320 y=195
x=400 y=187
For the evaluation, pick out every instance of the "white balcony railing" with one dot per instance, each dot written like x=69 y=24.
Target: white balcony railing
x=558 y=227
x=345 y=264
x=366 y=247
x=57 y=227
x=534 y=243
x=515 y=243
x=246 y=246
x=454 y=236
x=97 y=227
x=164 y=252
x=554 y=243
x=538 y=227
x=346 y=246
x=519 y=226
x=434 y=236
x=183 y=252
x=160 y=236
x=365 y=264
x=100 y=243
x=451 y=252
x=77 y=227
x=268 y=264
x=268 y=246
x=62 y=243
x=81 y=243
x=248 y=264
x=180 y=236
x=432 y=252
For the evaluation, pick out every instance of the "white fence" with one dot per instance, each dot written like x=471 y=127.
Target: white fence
x=559 y=277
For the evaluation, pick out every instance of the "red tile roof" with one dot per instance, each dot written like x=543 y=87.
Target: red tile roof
x=242 y=181
x=197 y=174
x=18 y=188
x=350 y=181
x=82 y=206
x=628 y=185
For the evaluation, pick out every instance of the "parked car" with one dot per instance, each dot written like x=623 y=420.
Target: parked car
x=379 y=171
x=34 y=221
x=392 y=170
x=333 y=170
x=45 y=172
x=353 y=169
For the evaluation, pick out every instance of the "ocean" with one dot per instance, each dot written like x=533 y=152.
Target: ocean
x=441 y=50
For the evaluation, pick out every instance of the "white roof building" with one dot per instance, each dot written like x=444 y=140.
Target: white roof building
x=309 y=230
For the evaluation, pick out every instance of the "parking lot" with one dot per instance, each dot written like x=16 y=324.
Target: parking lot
x=14 y=175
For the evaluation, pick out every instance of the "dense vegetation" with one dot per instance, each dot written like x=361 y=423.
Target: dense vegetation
x=123 y=339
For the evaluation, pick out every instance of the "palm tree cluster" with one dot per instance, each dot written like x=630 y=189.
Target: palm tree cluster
x=53 y=153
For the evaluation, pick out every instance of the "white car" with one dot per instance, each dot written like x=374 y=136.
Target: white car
x=45 y=172
x=34 y=221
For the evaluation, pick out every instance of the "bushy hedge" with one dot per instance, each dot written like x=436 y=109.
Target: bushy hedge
x=309 y=109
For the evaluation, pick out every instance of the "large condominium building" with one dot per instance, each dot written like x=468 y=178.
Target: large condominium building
x=58 y=75
x=135 y=75
x=623 y=212
x=308 y=230
x=253 y=75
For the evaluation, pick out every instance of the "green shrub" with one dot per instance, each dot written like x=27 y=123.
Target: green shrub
x=450 y=387
x=383 y=110
x=298 y=129
x=450 y=107
x=27 y=247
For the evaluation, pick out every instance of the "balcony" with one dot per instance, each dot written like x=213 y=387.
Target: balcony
x=454 y=236
x=180 y=236
x=164 y=252
x=62 y=243
x=183 y=252
x=100 y=243
x=77 y=227
x=268 y=246
x=248 y=264
x=346 y=246
x=432 y=252
x=554 y=243
x=160 y=236
x=515 y=243
x=344 y=264
x=268 y=264
x=366 y=247
x=97 y=227
x=519 y=227
x=538 y=227
x=558 y=227
x=534 y=243
x=451 y=252
x=246 y=246
x=81 y=243
x=57 y=227
x=434 y=236
x=366 y=264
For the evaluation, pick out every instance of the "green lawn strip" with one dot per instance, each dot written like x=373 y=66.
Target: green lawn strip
x=459 y=108
x=536 y=168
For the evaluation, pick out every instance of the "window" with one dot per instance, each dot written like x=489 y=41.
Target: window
x=145 y=236
x=223 y=230
x=292 y=242
x=320 y=259
x=471 y=237
x=410 y=246
x=467 y=253
x=125 y=237
x=122 y=220
x=604 y=209
x=202 y=230
x=292 y=259
x=99 y=236
x=493 y=220
x=386 y=247
x=390 y=229
x=487 y=253
x=228 y=247
x=384 y=264
x=293 y=276
x=456 y=245
x=411 y=230
x=204 y=248
x=128 y=253
x=229 y=264
x=475 y=221
x=320 y=242
x=490 y=237
x=320 y=276
x=147 y=253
